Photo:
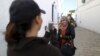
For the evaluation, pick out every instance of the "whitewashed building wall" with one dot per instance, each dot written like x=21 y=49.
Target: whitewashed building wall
x=88 y=15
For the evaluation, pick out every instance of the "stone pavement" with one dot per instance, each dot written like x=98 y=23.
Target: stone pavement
x=87 y=43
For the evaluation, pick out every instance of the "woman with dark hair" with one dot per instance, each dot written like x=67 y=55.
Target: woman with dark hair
x=22 y=29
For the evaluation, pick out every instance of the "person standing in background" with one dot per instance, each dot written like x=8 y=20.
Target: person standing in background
x=72 y=24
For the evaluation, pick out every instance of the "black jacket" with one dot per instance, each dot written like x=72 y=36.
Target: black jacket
x=32 y=47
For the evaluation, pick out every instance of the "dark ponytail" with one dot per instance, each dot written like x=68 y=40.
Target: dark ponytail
x=9 y=31
x=14 y=32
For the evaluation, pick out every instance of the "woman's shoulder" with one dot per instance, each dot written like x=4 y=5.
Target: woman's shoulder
x=50 y=50
x=46 y=49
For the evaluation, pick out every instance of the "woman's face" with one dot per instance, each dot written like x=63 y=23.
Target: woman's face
x=63 y=24
x=39 y=21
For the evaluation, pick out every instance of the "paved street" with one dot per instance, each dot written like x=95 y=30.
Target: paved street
x=87 y=43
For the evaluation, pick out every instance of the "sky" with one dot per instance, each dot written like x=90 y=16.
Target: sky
x=68 y=5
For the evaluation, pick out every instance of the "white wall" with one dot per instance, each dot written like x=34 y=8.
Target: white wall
x=4 y=18
x=4 y=15
x=89 y=15
x=47 y=6
x=47 y=18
